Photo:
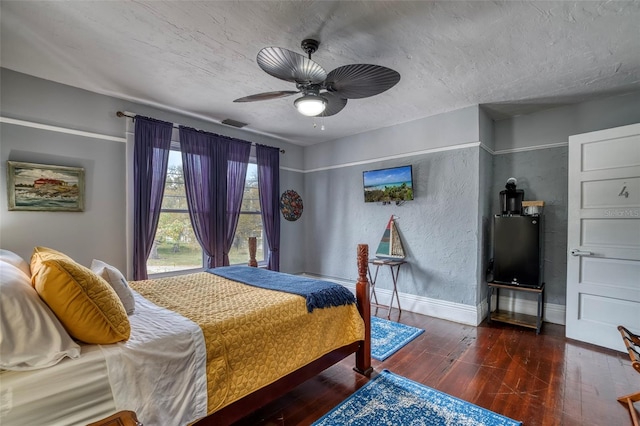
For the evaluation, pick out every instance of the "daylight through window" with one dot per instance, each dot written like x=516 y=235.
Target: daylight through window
x=175 y=247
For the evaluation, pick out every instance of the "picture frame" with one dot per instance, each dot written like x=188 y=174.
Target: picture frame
x=43 y=187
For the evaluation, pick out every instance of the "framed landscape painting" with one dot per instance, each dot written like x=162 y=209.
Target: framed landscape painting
x=43 y=187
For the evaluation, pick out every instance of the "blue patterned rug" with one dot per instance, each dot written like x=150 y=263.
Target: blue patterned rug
x=388 y=337
x=393 y=400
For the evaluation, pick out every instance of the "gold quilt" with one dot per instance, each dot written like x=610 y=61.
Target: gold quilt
x=253 y=336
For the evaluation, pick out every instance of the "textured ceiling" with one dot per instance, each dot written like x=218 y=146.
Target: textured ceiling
x=197 y=57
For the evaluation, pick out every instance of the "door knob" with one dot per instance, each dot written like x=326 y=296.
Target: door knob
x=576 y=252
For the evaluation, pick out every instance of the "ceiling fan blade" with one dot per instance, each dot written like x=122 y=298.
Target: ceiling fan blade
x=267 y=96
x=334 y=104
x=290 y=66
x=360 y=80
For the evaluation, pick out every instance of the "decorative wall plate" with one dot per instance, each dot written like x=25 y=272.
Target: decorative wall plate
x=291 y=205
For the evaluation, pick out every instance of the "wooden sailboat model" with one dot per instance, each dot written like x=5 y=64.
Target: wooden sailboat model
x=390 y=246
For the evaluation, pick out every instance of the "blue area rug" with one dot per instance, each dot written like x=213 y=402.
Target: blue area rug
x=393 y=400
x=388 y=337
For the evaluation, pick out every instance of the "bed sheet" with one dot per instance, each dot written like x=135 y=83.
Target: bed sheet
x=160 y=372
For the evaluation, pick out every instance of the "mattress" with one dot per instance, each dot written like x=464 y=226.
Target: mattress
x=159 y=373
x=72 y=392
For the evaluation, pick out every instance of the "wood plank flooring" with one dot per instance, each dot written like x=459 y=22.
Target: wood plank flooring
x=540 y=380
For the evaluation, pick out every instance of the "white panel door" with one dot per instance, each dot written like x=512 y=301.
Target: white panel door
x=603 y=263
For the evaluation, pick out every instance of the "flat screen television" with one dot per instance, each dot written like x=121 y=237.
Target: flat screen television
x=393 y=184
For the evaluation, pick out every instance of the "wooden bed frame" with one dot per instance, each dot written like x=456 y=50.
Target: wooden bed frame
x=248 y=404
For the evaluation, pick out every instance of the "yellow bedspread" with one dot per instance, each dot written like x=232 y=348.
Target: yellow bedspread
x=253 y=336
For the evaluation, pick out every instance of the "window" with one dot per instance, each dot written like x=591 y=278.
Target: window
x=249 y=221
x=176 y=248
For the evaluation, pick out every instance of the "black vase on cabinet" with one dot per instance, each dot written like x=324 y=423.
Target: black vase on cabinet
x=517 y=250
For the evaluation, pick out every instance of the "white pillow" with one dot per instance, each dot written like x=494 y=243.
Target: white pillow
x=15 y=260
x=119 y=283
x=31 y=336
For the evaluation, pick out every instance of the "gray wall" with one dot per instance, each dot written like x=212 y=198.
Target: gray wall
x=533 y=148
x=485 y=214
x=543 y=173
x=292 y=258
x=556 y=125
x=99 y=231
x=438 y=131
x=485 y=182
x=439 y=228
x=445 y=229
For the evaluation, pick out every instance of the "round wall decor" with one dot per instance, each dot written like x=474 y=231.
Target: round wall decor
x=291 y=205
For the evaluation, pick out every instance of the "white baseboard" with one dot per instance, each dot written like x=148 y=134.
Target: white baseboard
x=457 y=312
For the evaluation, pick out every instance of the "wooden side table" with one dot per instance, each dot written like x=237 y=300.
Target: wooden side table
x=394 y=265
x=524 y=320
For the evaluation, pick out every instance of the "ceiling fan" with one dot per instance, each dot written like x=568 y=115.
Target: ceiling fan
x=323 y=94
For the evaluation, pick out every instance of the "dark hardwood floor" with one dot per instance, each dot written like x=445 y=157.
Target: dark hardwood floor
x=541 y=379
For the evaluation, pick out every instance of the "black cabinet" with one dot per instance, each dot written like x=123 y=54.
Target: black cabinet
x=517 y=251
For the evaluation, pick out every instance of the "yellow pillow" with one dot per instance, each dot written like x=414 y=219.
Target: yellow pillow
x=40 y=254
x=85 y=303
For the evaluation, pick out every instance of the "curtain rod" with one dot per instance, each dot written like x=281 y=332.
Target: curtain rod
x=124 y=114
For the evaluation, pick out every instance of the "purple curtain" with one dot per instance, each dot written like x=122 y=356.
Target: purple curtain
x=204 y=164
x=237 y=160
x=268 y=159
x=150 y=157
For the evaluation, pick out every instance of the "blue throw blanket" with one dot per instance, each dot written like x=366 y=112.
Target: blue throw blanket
x=318 y=294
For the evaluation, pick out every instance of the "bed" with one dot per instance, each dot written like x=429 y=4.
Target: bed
x=201 y=347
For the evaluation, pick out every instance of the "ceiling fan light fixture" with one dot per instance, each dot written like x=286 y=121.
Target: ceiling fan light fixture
x=310 y=105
